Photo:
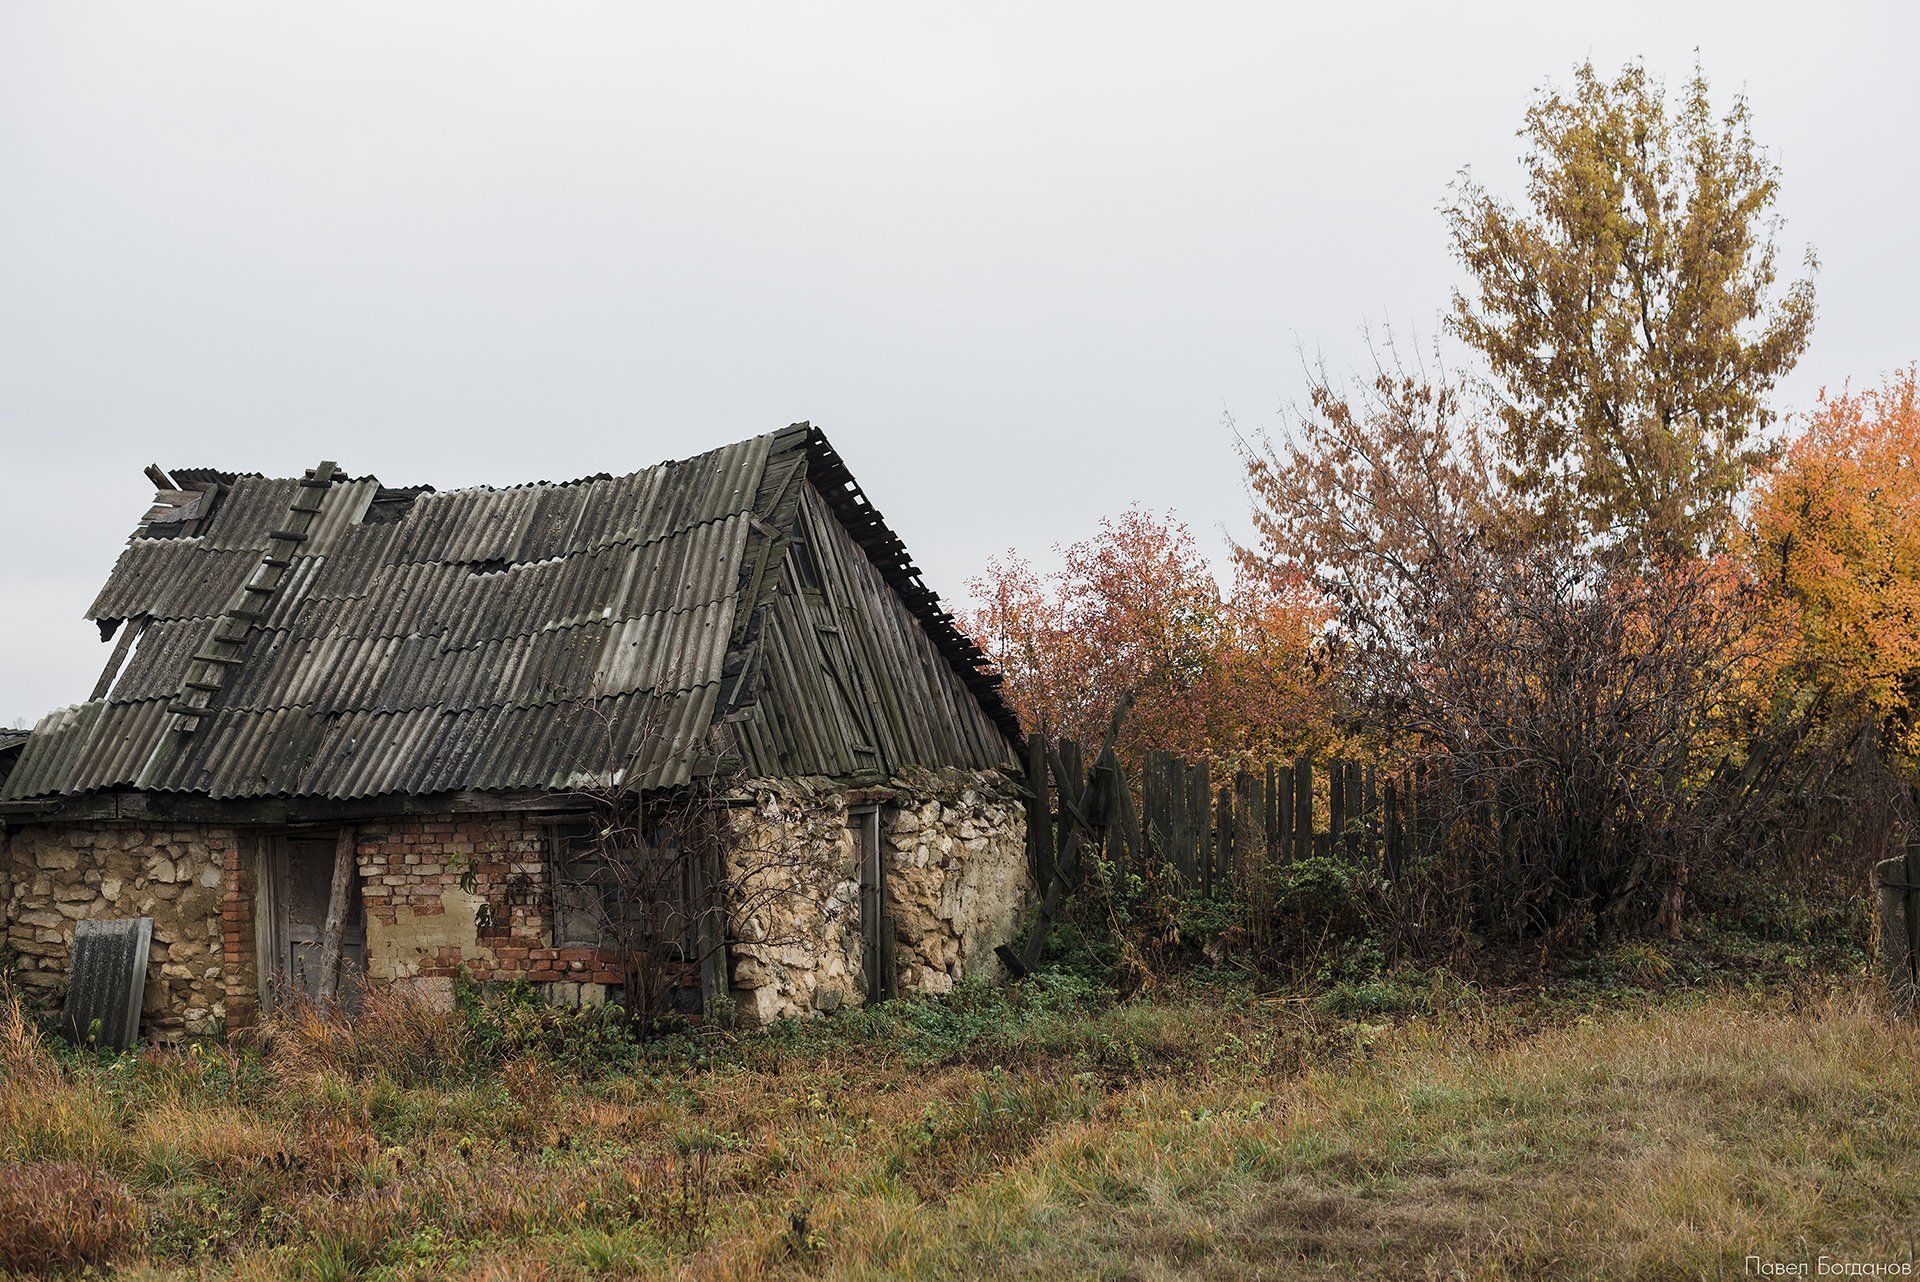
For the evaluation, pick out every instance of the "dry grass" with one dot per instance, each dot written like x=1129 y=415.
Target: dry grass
x=59 y=1217
x=1205 y=1134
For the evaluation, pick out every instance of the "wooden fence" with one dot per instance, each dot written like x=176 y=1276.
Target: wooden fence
x=1174 y=820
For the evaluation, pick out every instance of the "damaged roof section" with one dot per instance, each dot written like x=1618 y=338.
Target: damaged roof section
x=11 y=742
x=328 y=636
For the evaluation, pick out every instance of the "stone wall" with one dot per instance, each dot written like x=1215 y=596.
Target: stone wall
x=199 y=884
x=179 y=876
x=955 y=847
x=794 y=883
x=472 y=892
x=958 y=879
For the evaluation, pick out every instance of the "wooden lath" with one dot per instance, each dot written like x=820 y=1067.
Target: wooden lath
x=226 y=643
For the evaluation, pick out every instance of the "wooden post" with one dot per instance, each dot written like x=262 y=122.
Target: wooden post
x=1303 y=808
x=1156 y=809
x=1200 y=847
x=1896 y=911
x=1175 y=828
x=1337 y=802
x=1370 y=813
x=1069 y=785
x=1283 y=812
x=344 y=870
x=1039 y=813
x=1912 y=906
x=1223 y=837
x=1249 y=838
x=1271 y=828
x=1126 y=853
x=1390 y=798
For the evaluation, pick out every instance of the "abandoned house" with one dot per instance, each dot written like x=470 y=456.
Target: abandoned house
x=353 y=734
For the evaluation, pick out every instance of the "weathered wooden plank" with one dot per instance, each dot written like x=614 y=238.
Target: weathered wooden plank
x=345 y=869
x=1337 y=803
x=1224 y=836
x=1039 y=812
x=1303 y=808
x=1369 y=815
x=1200 y=792
x=1270 y=820
x=1394 y=841
x=1283 y=814
x=1249 y=840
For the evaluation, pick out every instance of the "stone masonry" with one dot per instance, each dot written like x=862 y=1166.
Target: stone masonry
x=955 y=847
x=62 y=873
x=471 y=893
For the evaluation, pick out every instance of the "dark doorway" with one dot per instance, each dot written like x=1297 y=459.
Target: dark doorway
x=876 y=916
x=299 y=884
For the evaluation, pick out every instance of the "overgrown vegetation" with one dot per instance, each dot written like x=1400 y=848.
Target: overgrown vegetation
x=1660 y=1110
x=1642 y=645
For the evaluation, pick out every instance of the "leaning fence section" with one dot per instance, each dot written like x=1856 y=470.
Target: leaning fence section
x=1173 y=819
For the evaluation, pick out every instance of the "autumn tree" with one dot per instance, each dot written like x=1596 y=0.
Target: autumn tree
x=1835 y=532
x=1216 y=676
x=1627 y=312
x=1581 y=706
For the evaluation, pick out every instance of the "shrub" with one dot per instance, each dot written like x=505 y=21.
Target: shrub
x=61 y=1217
x=512 y=1022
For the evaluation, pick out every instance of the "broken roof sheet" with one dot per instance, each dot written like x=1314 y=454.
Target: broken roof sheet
x=330 y=637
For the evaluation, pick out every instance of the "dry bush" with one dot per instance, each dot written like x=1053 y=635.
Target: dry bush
x=60 y=1217
x=396 y=1033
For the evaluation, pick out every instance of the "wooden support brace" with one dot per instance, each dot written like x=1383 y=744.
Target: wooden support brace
x=336 y=928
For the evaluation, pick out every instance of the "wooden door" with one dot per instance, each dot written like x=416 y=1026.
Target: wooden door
x=301 y=875
x=876 y=916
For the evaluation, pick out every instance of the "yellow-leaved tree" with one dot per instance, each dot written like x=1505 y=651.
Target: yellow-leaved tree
x=1835 y=533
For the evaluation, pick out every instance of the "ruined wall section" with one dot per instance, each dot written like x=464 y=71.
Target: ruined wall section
x=792 y=879
x=467 y=891
x=439 y=894
x=452 y=892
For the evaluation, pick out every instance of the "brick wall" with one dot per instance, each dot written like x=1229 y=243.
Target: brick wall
x=466 y=891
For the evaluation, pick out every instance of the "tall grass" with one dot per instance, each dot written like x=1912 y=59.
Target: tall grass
x=1208 y=1131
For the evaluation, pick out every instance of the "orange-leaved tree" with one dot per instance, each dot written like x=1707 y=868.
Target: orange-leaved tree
x=1224 y=677
x=1834 y=530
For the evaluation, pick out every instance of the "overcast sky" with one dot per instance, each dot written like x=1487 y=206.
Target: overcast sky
x=1015 y=260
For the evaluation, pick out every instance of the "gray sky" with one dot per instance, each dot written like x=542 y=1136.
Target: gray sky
x=1015 y=260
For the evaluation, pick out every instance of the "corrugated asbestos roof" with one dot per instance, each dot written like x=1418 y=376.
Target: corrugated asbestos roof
x=330 y=637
